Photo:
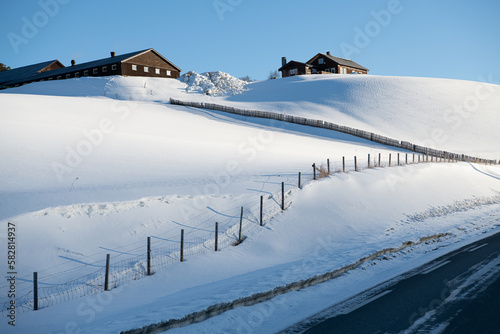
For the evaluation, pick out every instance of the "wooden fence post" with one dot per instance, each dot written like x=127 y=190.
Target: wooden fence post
x=328 y=165
x=182 y=245
x=379 y=155
x=106 y=278
x=299 y=179
x=343 y=164
x=355 y=164
x=398 y=160
x=241 y=224
x=149 y=256
x=217 y=235
x=413 y=157
x=368 y=160
x=314 y=171
x=406 y=159
x=389 y=159
x=35 y=291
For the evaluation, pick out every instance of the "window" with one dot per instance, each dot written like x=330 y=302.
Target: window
x=169 y=73
x=134 y=67
x=104 y=69
x=321 y=61
x=77 y=74
x=68 y=76
x=59 y=77
x=95 y=71
x=157 y=70
x=50 y=78
x=85 y=73
x=333 y=70
x=293 y=71
x=146 y=69
x=113 y=67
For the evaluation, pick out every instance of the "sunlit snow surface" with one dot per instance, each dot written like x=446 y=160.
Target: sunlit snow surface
x=94 y=166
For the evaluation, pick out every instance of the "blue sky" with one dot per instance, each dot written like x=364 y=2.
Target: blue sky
x=447 y=39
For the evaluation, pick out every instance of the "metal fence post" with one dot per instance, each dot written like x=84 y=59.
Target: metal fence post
x=283 y=196
x=261 y=208
x=35 y=291
x=217 y=235
x=241 y=224
x=106 y=278
x=149 y=256
x=182 y=245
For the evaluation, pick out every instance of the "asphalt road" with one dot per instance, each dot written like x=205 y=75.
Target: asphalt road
x=457 y=293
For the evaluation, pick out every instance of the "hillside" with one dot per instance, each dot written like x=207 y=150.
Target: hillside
x=446 y=114
x=93 y=166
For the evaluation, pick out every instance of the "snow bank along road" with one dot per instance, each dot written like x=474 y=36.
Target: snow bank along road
x=456 y=293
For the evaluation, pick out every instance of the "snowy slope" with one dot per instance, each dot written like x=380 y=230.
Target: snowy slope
x=94 y=166
x=453 y=115
x=445 y=114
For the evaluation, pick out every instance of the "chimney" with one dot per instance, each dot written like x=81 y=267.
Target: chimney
x=283 y=61
x=73 y=62
x=328 y=53
x=112 y=54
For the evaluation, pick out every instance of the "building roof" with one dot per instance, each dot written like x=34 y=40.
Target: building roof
x=294 y=63
x=340 y=61
x=25 y=72
x=84 y=66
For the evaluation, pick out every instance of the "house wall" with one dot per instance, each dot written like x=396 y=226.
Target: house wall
x=301 y=69
x=100 y=71
x=349 y=70
x=152 y=62
x=328 y=66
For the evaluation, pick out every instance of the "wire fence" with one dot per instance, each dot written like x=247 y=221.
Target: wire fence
x=200 y=236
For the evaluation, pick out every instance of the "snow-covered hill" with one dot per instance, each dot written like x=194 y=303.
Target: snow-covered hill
x=451 y=115
x=92 y=166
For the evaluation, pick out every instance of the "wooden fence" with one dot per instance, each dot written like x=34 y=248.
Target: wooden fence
x=339 y=128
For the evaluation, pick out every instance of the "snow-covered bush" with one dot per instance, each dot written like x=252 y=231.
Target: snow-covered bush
x=213 y=83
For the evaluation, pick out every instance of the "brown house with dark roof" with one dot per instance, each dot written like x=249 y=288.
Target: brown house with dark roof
x=145 y=63
x=321 y=64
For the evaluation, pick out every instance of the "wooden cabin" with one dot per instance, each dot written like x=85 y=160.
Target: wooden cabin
x=321 y=64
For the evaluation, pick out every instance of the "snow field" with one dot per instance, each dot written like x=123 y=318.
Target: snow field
x=301 y=242
x=109 y=163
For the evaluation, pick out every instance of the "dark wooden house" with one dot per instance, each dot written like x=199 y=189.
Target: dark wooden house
x=321 y=64
x=27 y=72
x=145 y=63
